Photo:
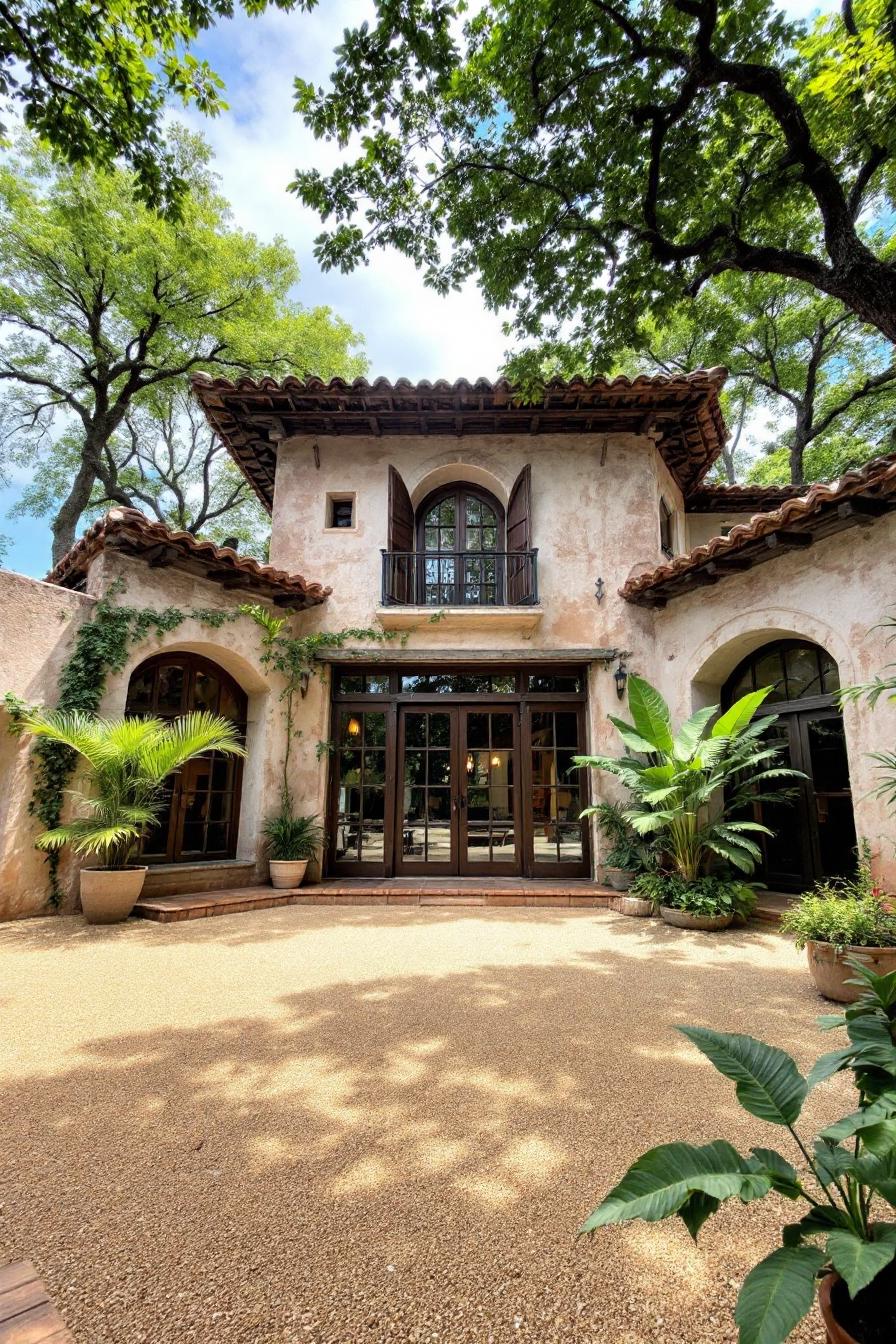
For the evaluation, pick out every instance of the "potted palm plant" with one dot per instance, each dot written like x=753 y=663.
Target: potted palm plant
x=844 y=918
x=128 y=761
x=844 y=1237
x=292 y=842
x=692 y=792
x=627 y=857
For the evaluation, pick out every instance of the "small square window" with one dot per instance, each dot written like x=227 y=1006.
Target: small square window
x=340 y=511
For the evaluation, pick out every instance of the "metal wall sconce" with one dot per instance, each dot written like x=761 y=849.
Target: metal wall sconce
x=620 y=676
x=599 y=590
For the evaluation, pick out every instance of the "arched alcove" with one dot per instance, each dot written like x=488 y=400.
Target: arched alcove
x=200 y=819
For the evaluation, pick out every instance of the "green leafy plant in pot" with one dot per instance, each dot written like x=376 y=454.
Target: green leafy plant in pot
x=128 y=761
x=628 y=854
x=845 y=1236
x=292 y=841
x=692 y=790
x=840 y=919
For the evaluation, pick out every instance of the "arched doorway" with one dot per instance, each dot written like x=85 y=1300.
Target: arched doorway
x=815 y=834
x=460 y=538
x=201 y=814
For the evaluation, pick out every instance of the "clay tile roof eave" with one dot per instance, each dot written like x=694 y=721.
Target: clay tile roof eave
x=143 y=535
x=690 y=401
x=877 y=479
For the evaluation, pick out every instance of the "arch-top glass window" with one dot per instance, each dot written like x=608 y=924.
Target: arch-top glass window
x=460 y=535
x=794 y=668
x=201 y=813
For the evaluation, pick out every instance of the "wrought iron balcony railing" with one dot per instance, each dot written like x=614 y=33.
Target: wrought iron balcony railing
x=460 y=578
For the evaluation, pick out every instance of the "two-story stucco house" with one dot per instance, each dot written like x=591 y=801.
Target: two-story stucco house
x=521 y=561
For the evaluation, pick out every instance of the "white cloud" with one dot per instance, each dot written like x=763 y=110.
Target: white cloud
x=259 y=143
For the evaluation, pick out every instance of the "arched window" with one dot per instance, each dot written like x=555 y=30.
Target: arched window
x=814 y=834
x=460 y=535
x=201 y=812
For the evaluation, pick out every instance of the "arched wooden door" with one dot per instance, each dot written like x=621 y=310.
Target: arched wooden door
x=201 y=814
x=815 y=834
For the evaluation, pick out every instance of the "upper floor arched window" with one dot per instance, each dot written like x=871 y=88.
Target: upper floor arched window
x=460 y=535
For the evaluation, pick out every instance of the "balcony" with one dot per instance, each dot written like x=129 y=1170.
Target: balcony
x=466 y=588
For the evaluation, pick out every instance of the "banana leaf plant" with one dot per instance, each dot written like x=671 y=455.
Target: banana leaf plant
x=128 y=761
x=846 y=1181
x=693 y=790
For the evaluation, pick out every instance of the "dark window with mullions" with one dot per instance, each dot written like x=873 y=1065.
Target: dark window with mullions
x=557 y=787
x=460 y=533
x=361 y=797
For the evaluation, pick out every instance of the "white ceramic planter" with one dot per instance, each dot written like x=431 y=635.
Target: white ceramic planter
x=620 y=879
x=287 y=873
x=635 y=906
x=108 y=895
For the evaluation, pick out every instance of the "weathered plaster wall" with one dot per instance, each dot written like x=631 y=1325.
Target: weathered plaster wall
x=700 y=527
x=37 y=624
x=833 y=593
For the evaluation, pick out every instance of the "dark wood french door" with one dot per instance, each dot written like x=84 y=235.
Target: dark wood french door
x=458 y=799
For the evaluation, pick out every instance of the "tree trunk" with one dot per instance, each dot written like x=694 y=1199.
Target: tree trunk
x=867 y=286
x=66 y=521
x=797 y=449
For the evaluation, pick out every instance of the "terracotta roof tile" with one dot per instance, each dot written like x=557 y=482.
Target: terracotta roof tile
x=130 y=531
x=740 y=498
x=682 y=412
x=823 y=509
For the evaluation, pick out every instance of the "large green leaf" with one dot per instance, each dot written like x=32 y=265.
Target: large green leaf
x=769 y=1085
x=735 y=719
x=858 y=1261
x=661 y=1180
x=695 y=1211
x=690 y=733
x=827 y=1066
x=777 y=1294
x=879 y=1110
x=784 y=1176
x=650 y=714
x=632 y=738
x=873 y=1041
x=879 y=1172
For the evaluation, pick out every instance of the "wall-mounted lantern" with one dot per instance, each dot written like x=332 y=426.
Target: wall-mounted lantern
x=620 y=676
x=599 y=590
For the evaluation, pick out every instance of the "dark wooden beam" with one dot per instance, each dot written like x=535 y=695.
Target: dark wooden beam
x=863 y=509
x=729 y=564
x=159 y=557
x=229 y=578
x=784 y=540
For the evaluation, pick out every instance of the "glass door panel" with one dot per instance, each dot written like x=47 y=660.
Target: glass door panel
x=824 y=754
x=557 y=796
x=427 y=791
x=489 y=839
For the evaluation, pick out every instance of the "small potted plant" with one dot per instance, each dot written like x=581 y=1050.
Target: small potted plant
x=840 y=919
x=129 y=761
x=627 y=856
x=292 y=842
x=711 y=902
x=844 y=1237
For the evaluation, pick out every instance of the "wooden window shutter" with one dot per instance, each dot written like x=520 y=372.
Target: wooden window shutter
x=520 y=573
x=401 y=538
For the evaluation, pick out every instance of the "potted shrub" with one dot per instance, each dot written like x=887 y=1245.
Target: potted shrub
x=627 y=856
x=692 y=792
x=711 y=902
x=128 y=761
x=844 y=1237
x=840 y=919
x=292 y=841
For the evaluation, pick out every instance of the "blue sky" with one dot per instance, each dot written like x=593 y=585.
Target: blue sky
x=258 y=143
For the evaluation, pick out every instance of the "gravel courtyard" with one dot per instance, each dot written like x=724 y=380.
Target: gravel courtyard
x=318 y=1124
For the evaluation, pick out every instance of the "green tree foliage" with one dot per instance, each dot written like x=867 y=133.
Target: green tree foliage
x=166 y=462
x=823 y=382
x=591 y=161
x=106 y=305
x=92 y=78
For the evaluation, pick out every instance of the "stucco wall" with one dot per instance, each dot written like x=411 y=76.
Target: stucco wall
x=37 y=624
x=833 y=593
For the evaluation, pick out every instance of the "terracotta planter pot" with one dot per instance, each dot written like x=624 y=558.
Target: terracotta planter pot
x=683 y=919
x=287 y=873
x=830 y=972
x=636 y=906
x=836 y=1333
x=620 y=879
x=108 y=895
